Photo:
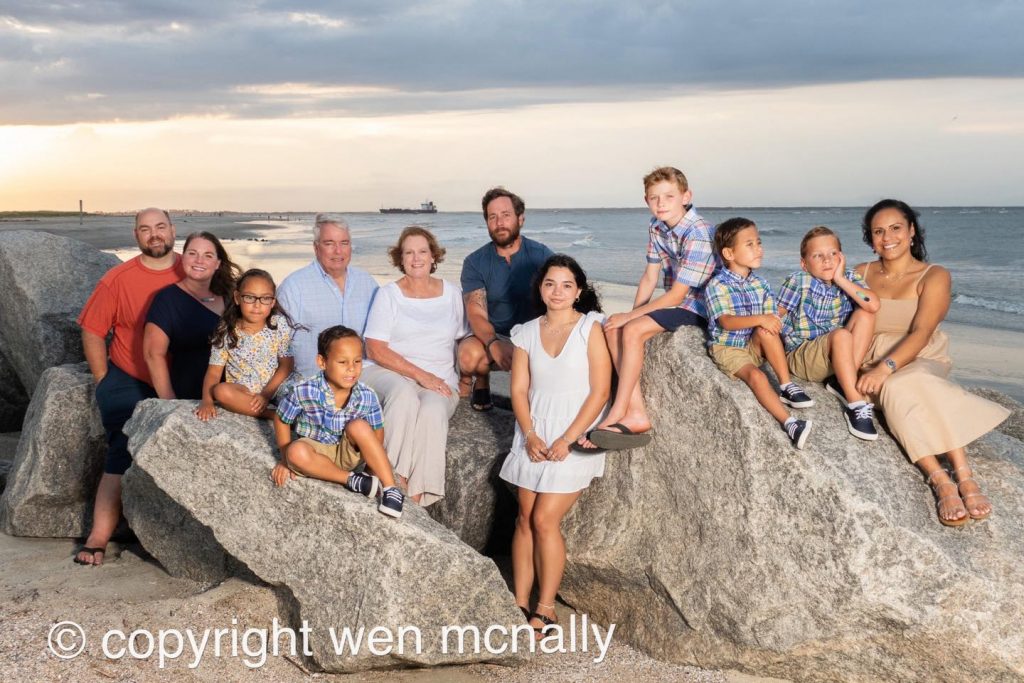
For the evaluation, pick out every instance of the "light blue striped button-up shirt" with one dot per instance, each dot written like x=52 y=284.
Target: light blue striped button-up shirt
x=313 y=300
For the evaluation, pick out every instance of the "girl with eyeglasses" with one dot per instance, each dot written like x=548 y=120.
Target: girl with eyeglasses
x=250 y=351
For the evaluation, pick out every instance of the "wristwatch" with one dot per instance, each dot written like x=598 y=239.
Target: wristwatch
x=891 y=364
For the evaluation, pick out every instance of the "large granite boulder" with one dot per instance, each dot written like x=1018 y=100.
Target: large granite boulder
x=339 y=561
x=475 y=499
x=721 y=545
x=52 y=482
x=46 y=279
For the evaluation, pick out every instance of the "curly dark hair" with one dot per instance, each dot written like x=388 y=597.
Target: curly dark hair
x=331 y=335
x=233 y=312
x=917 y=248
x=588 y=300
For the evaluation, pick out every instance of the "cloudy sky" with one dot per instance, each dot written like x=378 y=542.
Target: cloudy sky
x=351 y=105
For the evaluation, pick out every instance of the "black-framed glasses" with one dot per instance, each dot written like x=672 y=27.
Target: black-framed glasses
x=252 y=298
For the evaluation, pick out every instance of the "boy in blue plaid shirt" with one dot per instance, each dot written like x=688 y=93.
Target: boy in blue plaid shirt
x=339 y=424
x=828 y=318
x=680 y=255
x=744 y=326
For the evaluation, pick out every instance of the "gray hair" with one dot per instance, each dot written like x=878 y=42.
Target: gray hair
x=323 y=219
x=152 y=208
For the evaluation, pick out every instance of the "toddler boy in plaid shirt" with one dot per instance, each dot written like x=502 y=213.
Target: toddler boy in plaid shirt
x=339 y=424
x=744 y=326
x=679 y=253
x=828 y=322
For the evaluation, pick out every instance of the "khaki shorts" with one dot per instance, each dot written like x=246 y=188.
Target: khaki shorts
x=343 y=454
x=810 y=361
x=732 y=359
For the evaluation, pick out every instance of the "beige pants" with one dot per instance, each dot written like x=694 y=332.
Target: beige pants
x=344 y=454
x=415 y=429
x=811 y=360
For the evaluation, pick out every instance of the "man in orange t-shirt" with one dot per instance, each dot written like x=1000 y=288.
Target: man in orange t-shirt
x=118 y=305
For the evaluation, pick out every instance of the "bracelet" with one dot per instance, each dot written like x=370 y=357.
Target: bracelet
x=527 y=436
x=566 y=439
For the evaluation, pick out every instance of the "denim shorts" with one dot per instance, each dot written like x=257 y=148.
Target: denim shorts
x=673 y=318
x=117 y=394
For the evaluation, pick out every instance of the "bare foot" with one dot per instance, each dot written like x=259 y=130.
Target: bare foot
x=465 y=385
x=977 y=503
x=637 y=425
x=951 y=509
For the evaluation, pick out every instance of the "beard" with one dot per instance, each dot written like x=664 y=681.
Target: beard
x=513 y=235
x=156 y=248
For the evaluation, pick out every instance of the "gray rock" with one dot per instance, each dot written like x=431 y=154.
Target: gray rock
x=13 y=398
x=8 y=447
x=185 y=548
x=477 y=446
x=721 y=545
x=52 y=482
x=1014 y=425
x=342 y=563
x=46 y=279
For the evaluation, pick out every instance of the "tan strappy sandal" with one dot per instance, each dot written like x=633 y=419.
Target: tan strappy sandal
x=956 y=496
x=968 y=496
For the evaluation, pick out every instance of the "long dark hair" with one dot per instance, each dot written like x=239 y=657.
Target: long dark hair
x=588 y=300
x=223 y=281
x=233 y=312
x=917 y=248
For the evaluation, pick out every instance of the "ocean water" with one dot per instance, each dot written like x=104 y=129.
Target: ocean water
x=982 y=247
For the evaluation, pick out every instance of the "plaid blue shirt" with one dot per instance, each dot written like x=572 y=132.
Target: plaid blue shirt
x=729 y=294
x=686 y=256
x=813 y=308
x=310 y=405
x=313 y=300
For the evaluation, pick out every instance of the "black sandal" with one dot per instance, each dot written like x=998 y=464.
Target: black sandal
x=481 y=399
x=547 y=621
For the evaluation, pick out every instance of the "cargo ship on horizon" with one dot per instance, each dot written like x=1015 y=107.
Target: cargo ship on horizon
x=426 y=207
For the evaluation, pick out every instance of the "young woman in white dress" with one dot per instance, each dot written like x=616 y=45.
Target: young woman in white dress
x=561 y=378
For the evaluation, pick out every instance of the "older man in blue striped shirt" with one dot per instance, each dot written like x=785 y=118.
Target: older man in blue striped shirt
x=329 y=291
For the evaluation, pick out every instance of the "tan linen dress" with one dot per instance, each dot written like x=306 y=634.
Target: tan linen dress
x=926 y=412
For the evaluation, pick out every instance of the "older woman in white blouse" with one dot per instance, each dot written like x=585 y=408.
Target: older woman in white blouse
x=411 y=335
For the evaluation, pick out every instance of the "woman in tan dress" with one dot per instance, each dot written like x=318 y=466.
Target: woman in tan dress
x=907 y=366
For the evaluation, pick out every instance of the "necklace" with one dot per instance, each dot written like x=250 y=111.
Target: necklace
x=203 y=299
x=893 y=277
x=558 y=328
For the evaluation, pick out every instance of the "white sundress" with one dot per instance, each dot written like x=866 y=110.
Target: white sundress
x=558 y=388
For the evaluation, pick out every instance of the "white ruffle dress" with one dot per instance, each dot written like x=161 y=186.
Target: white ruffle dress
x=558 y=388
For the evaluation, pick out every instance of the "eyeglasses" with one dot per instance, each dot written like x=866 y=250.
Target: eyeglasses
x=252 y=298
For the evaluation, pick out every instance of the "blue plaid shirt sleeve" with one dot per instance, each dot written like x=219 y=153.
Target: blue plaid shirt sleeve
x=854 y=277
x=768 y=304
x=790 y=294
x=653 y=248
x=289 y=409
x=719 y=300
x=697 y=264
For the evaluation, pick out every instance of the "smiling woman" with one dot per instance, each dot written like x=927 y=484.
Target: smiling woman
x=183 y=316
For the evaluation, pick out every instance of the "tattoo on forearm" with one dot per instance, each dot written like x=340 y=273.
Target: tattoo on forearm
x=478 y=297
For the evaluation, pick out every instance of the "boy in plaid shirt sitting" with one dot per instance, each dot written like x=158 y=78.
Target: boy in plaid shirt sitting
x=679 y=253
x=339 y=424
x=828 y=323
x=744 y=326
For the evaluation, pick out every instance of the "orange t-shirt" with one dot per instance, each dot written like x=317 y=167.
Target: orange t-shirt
x=119 y=303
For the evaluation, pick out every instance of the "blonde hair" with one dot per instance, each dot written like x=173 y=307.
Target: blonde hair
x=669 y=173
x=818 y=231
